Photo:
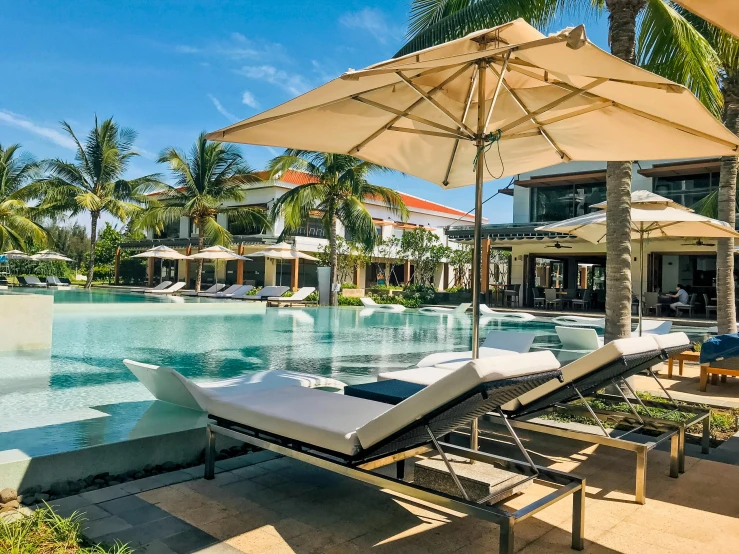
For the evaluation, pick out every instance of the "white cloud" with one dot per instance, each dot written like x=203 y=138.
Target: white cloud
x=374 y=22
x=223 y=111
x=186 y=49
x=236 y=47
x=249 y=100
x=21 y=122
x=293 y=83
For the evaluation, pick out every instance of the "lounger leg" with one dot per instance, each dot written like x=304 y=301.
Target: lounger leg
x=507 y=536
x=520 y=445
x=474 y=435
x=210 y=453
x=592 y=413
x=669 y=396
x=641 y=476
x=400 y=470
x=706 y=439
x=675 y=458
x=447 y=464
x=578 y=518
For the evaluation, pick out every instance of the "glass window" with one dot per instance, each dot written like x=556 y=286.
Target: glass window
x=239 y=228
x=171 y=231
x=686 y=189
x=565 y=201
x=313 y=228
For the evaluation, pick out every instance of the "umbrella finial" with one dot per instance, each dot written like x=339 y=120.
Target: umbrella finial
x=577 y=38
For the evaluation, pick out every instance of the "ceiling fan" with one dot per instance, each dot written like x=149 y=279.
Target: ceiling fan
x=699 y=242
x=557 y=245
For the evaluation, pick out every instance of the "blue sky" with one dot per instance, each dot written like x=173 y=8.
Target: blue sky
x=172 y=69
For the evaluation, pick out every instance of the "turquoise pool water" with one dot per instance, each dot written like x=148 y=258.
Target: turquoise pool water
x=81 y=394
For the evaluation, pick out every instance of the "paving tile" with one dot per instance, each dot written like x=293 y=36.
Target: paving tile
x=238 y=461
x=226 y=478
x=174 y=477
x=105 y=526
x=249 y=472
x=145 y=514
x=145 y=484
x=70 y=503
x=155 y=547
x=187 y=542
x=125 y=504
x=88 y=513
x=144 y=534
x=108 y=493
x=219 y=548
x=199 y=471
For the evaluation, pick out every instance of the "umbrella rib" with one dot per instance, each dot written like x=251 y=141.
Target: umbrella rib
x=401 y=113
x=455 y=146
x=435 y=104
x=501 y=82
x=415 y=104
x=563 y=117
x=428 y=133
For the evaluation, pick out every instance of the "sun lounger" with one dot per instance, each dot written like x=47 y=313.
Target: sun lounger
x=168 y=385
x=653 y=327
x=440 y=310
x=161 y=286
x=579 y=321
x=354 y=437
x=298 y=298
x=578 y=338
x=496 y=343
x=241 y=293
x=55 y=282
x=266 y=292
x=31 y=281
x=512 y=316
x=179 y=285
x=369 y=303
x=222 y=293
x=213 y=289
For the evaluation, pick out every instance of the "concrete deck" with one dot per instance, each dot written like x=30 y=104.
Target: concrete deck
x=261 y=503
x=686 y=386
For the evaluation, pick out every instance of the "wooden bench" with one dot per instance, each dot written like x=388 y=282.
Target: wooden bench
x=682 y=358
x=728 y=367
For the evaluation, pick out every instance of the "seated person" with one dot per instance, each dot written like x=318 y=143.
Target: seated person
x=682 y=298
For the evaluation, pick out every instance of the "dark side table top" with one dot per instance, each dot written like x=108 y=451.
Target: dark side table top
x=390 y=391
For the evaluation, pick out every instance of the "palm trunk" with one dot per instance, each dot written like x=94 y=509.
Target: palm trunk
x=334 y=257
x=726 y=308
x=622 y=36
x=93 y=240
x=199 y=276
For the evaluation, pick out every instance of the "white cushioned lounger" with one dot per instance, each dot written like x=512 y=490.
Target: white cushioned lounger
x=348 y=425
x=440 y=310
x=168 y=385
x=369 y=303
x=579 y=321
x=211 y=290
x=578 y=338
x=230 y=291
x=160 y=286
x=513 y=316
x=171 y=290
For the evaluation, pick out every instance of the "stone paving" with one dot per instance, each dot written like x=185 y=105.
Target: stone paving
x=262 y=503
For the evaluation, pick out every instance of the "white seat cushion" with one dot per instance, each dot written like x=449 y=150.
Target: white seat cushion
x=464 y=356
x=417 y=375
x=671 y=340
x=588 y=363
x=452 y=386
x=314 y=417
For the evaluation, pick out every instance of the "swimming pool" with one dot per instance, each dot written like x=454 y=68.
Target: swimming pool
x=82 y=395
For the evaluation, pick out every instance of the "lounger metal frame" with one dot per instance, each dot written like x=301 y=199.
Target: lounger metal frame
x=419 y=438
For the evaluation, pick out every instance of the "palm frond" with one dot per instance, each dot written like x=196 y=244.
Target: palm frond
x=708 y=205
x=391 y=198
x=214 y=233
x=357 y=220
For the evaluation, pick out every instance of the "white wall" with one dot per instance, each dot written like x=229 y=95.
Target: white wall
x=25 y=322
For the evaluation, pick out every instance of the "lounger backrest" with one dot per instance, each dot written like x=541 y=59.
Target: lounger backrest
x=654 y=327
x=505 y=340
x=163 y=285
x=272 y=291
x=51 y=280
x=303 y=293
x=368 y=302
x=64 y=281
x=242 y=290
x=177 y=286
x=589 y=365
x=456 y=386
x=231 y=289
x=167 y=385
x=578 y=338
x=32 y=280
x=672 y=343
x=22 y=280
x=462 y=308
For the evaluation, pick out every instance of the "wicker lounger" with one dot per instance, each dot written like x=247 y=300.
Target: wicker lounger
x=353 y=436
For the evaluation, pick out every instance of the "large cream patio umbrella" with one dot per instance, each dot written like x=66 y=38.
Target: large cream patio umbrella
x=282 y=251
x=495 y=103
x=652 y=216
x=161 y=253
x=217 y=253
x=721 y=13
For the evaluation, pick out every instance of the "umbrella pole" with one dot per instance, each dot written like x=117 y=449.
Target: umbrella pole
x=641 y=276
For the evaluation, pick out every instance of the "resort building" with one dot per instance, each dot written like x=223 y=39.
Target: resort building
x=312 y=238
x=561 y=192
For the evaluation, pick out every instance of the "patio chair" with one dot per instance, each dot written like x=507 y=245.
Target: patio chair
x=583 y=302
x=167 y=385
x=355 y=437
x=551 y=299
x=651 y=302
x=266 y=292
x=369 y=303
x=485 y=311
x=65 y=281
x=440 y=310
x=539 y=301
x=225 y=291
x=578 y=338
x=709 y=307
x=689 y=308
x=31 y=281
x=496 y=343
x=213 y=289
x=512 y=295
x=175 y=288
x=161 y=286
x=298 y=298
x=579 y=321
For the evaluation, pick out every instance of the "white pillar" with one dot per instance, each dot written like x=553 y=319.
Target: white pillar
x=184 y=228
x=270 y=272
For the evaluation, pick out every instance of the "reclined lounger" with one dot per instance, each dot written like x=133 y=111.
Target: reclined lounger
x=496 y=343
x=353 y=436
x=609 y=365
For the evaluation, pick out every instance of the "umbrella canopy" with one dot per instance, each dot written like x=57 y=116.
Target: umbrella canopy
x=50 y=256
x=721 y=13
x=280 y=246
x=216 y=253
x=283 y=255
x=16 y=255
x=161 y=252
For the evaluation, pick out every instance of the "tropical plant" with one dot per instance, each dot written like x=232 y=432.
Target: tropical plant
x=94 y=184
x=17 y=221
x=71 y=240
x=350 y=257
x=337 y=194
x=212 y=175
x=423 y=249
x=666 y=32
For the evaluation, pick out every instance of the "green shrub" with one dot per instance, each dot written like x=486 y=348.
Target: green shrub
x=312 y=297
x=452 y=290
x=387 y=287
x=349 y=286
x=409 y=301
x=349 y=301
x=254 y=291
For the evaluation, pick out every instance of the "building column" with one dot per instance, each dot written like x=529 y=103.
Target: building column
x=445 y=279
x=117 y=264
x=240 y=267
x=270 y=272
x=294 y=274
x=188 y=252
x=150 y=272
x=407 y=273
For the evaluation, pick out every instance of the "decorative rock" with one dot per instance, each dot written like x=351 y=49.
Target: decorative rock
x=14 y=504
x=59 y=489
x=169 y=466
x=113 y=482
x=11 y=516
x=25 y=511
x=42 y=497
x=6 y=495
x=138 y=475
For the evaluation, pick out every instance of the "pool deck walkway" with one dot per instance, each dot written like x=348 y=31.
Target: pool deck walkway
x=262 y=503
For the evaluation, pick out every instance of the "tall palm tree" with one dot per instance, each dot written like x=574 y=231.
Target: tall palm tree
x=212 y=175
x=338 y=194
x=17 y=223
x=435 y=21
x=94 y=183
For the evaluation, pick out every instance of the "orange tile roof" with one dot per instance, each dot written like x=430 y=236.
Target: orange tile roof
x=301 y=178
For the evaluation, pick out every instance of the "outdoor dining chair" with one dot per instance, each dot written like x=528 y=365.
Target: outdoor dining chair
x=583 y=302
x=690 y=307
x=709 y=307
x=551 y=298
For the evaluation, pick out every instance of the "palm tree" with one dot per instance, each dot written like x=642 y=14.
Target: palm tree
x=17 y=224
x=436 y=21
x=94 y=183
x=338 y=193
x=213 y=174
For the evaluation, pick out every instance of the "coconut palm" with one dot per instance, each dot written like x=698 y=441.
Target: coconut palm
x=17 y=225
x=435 y=21
x=212 y=175
x=338 y=193
x=94 y=183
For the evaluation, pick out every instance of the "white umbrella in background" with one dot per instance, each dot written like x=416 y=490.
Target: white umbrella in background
x=282 y=251
x=217 y=253
x=161 y=253
x=492 y=104
x=16 y=255
x=50 y=256
x=652 y=216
